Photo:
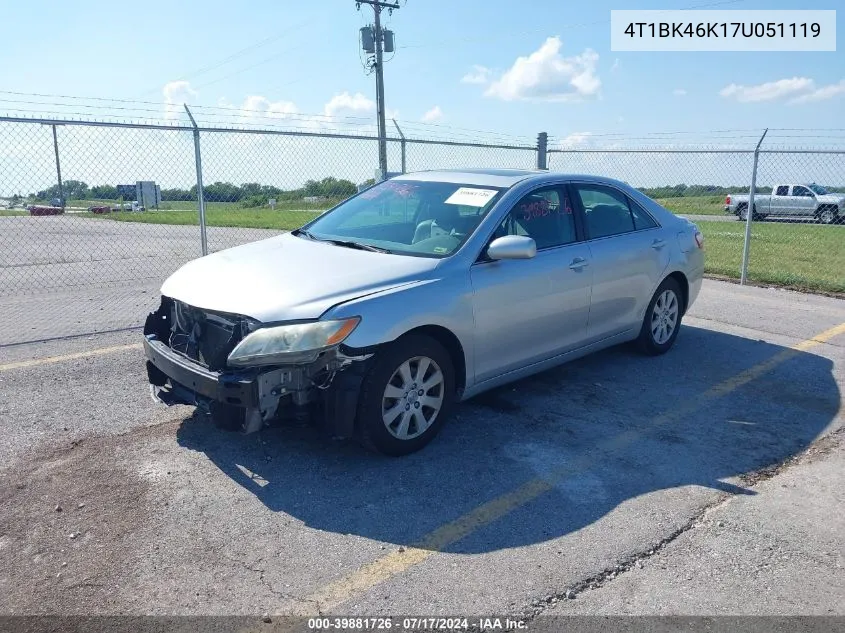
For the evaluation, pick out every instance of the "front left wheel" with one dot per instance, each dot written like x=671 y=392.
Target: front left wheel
x=406 y=396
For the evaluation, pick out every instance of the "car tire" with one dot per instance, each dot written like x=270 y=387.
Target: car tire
x=742 y=213
x=660 y=328
x=393 y=417
x=827 y=216
x=226 y=417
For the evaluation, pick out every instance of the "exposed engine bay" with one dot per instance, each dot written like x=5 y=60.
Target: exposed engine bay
x=187 y=350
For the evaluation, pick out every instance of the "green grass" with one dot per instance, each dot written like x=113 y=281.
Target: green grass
x=217 y=214
x=800 y=256
x=694 y=205
x=191 y=205
x=11 y=212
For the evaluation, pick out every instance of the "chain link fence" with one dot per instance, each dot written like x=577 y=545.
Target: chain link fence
x=796 y=238
x=94 y=216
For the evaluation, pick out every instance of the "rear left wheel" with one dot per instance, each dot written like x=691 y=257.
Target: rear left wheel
x=662 y=320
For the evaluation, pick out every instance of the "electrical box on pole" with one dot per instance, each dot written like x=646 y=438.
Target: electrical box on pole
x=375 y=39
x=388 y=41
x=368 y=42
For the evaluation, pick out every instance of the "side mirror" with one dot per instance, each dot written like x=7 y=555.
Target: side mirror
x=512 y=247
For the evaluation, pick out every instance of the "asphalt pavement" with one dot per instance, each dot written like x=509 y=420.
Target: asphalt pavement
x=606 y=479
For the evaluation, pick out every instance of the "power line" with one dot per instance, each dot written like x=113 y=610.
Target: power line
x=237 y=54
x=560 y=27
x=250 y=67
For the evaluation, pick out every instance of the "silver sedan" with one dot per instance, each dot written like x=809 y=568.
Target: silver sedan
x=378 y=316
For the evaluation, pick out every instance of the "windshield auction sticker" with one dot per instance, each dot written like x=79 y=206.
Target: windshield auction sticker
x=691 y=30
x=470 y=197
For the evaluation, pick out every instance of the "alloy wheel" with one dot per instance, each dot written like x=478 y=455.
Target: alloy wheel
x=664 y=317
x=413 y=397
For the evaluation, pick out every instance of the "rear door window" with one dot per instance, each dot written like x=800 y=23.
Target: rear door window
x=606 y=210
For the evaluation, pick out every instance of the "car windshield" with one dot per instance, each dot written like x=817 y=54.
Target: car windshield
x=422 y=218
x=818 y=189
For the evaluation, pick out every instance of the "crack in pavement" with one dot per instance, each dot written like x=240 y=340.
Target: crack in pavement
x=821 y=446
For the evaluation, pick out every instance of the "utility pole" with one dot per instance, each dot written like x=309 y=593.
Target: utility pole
x=377 y=43
x=58 y=168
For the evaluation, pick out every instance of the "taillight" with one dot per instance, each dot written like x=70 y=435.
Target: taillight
x=728 y=200
x=699 y=240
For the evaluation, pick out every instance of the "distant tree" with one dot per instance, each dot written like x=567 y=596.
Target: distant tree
x=178 y=194
x=251 y=189
x=329 y=187
x=72 y=190
x=104 y=192
x=222 y=192
x=75 y=190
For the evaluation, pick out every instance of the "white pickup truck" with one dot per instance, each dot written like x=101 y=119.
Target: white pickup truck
x=806 y=200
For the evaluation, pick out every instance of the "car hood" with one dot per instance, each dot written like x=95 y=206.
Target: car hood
x=831 y=198
x=288 y=278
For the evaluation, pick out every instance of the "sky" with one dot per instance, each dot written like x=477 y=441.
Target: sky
x=467 y=70
x=506 y=67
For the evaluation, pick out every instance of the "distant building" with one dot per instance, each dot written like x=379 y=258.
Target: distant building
x=145 y=192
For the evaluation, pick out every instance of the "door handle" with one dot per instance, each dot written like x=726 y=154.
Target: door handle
x=578 y=263
x=658 y=244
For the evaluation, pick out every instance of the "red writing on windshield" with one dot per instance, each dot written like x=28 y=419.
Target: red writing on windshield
x=403 y=190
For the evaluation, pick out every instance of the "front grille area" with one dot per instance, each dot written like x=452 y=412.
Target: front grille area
x=203 y=336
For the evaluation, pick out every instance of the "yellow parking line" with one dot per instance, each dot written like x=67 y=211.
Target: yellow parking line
x=101 y=351
x=396 y=562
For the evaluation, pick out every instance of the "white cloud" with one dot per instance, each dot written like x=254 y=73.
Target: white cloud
x=344 y=104
x=769 y=91
x=548 y=76
x=266 y=108
x=679 y=92
x=478 y=75
x=435 y=114
x=820 y=94
x=175 y=94
x=576 y=138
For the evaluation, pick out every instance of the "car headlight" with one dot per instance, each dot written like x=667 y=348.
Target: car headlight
x=299 y=342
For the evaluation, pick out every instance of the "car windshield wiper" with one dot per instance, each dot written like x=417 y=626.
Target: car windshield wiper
x=346 y=243
x=307 y=234
x=359 y=245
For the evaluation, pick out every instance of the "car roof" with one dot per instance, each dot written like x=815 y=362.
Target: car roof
x=498 y=177
x=488 y=177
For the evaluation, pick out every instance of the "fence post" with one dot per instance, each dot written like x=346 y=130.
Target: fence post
x=58 y=168
x=200 y=193
x=750 y=212
x=402 y=142
x=542 y=150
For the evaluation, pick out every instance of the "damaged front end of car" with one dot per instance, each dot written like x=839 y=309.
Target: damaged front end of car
x=246 y=373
